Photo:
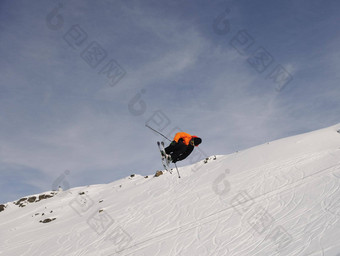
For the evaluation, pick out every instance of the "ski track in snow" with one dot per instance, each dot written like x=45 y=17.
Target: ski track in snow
x=263 y=196
x=299 y=182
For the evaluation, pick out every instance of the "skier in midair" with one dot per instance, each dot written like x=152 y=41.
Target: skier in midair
x=182 y=146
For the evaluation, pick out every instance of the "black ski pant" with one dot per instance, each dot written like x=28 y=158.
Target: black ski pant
x=175 y=149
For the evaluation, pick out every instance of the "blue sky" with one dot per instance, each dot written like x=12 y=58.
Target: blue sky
x=79 y=80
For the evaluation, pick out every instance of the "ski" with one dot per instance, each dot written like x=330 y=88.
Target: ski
x=167 y=157
x=165 y=160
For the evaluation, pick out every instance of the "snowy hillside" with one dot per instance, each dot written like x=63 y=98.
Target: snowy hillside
x=279 y=198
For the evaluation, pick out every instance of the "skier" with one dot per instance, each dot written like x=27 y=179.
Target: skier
x=182 y=146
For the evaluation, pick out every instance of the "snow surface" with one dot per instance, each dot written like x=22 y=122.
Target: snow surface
x=279 y=198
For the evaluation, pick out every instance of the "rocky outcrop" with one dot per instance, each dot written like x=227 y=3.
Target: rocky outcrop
x=45 y=196
x=33 y=199
x=158 y=173
x=47 y=220
x=2 y=207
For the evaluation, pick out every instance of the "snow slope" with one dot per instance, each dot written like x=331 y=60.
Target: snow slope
x=279 y=198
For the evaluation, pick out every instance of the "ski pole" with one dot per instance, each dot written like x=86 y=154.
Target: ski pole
x=179 y=176
x=157 y=132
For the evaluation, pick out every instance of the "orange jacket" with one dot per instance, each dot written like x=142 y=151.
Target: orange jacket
x=183 y=135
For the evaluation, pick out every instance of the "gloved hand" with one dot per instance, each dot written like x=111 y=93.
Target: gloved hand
x=173 y=143
x=174 y=160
